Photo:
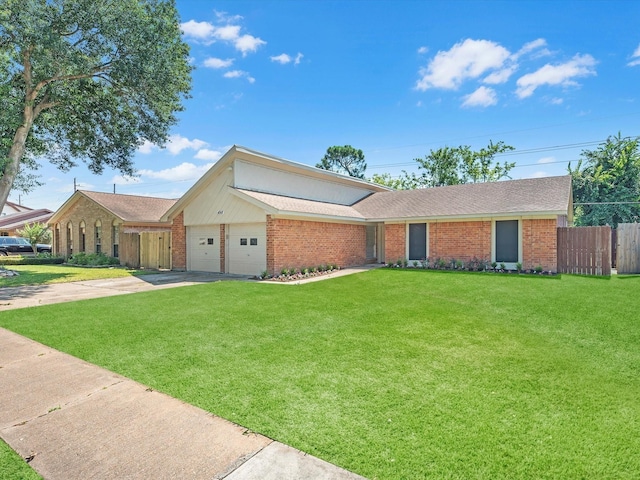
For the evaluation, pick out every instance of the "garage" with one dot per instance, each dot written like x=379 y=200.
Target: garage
x=203 y=248
x=247 y=248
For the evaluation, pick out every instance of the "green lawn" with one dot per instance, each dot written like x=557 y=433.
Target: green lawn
x=391 y=374
x=13 y=467
x=43 y=274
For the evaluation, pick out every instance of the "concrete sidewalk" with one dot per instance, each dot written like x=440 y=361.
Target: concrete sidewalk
x=74 y=420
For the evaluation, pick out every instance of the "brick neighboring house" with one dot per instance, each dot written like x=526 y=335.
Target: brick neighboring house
x=12 y=222
x=123 y=226
x=253 y=212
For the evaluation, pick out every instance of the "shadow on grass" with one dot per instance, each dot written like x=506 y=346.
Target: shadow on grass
x=31 y=277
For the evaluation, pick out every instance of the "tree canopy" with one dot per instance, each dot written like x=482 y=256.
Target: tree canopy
x=606 y=183
x=346 y=160
x=86 y=80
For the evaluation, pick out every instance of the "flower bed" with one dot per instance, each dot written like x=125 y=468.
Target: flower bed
x=473 y=265
x=295 y=274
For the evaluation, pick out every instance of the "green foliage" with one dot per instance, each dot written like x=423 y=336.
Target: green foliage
x=347 y=160
x=39 y=259
x=92 y=259
x=606 y=183
x=36 y=233
x=87 y=80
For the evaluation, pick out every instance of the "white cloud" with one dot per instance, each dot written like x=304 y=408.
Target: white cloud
x=563 y=74
x=206 y=154
x=228 y=33
x=556 y=101
x=184 y=171
x=198 y=30
x=248 y=43
x=500 y=76
x=422 y=50
x=482 y=97
x=529 y=47
x=635 y=58
x=146 y=148
x=178 y=143
x=207 y=33
x=468 y=59
x=213 y=62
x=547 y=160
x=282 y=59
x=298 y=59
x=239 y=74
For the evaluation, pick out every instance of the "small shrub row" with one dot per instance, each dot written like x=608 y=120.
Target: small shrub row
x=473 y=265
x=92 y=259
x=39 y=259
x=290 y=274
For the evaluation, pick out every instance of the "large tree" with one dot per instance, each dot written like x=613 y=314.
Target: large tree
x=346 y=159
x=606 y=183
x=87 y=80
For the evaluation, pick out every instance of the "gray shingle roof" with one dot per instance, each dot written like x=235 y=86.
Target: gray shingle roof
x=548 y=195
x=132 y=208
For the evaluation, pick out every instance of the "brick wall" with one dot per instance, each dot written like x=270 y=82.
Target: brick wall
x=299 y=244
x=395 y=242
x=540 y=244
x=179 y=243
x=460 y=240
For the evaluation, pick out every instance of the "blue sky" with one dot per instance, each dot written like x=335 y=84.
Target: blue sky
x=393 y=78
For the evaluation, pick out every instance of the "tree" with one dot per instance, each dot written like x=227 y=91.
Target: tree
x=36 y=233
x=606 y=183
x=86 y=80
x=455 y=165
x=345 y=159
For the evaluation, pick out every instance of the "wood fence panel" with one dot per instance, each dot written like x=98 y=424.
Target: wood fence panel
x=155 y=250
x=628 y=248
x=584 y=250
x=129 y=249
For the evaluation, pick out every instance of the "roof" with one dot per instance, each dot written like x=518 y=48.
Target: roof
x=533 y=196
x=129 y=208
x=12 y=207
x=548 y=195
x=18 y=220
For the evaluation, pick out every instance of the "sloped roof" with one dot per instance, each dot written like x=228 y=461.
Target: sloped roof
x=18 y=220
x=548 y=195
x=533 y=196
x=132 y=208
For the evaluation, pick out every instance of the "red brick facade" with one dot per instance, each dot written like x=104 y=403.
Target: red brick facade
x=460 y=240
x=300 y=244
x=395 y=241
x=540 y=244
x=179 y=243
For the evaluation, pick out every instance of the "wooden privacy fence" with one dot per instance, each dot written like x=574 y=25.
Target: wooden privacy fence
x=628 y=248
x=129 y=249
x=145 y=249
x=584 y=250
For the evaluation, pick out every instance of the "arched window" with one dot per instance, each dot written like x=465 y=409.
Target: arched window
x=98 y=236
x=115 y=235
x=69 y=239
x=56 y=239
x=83 y=236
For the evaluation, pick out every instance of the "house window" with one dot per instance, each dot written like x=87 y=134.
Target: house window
x=83 y=236
x=98 y=230
x=417 y=241
x=507 y=241
x=115 y=235
x=254 y=241
x=209 y=241
x=243 y=241
x=69 y=239
x=4 y=234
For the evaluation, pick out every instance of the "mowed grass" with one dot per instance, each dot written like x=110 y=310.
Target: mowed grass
x=391 y=374
x=45 y=274
x=13 y=467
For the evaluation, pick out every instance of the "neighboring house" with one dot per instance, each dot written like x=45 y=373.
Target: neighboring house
x=253 y=212
x=11 y=223
x=12 y=207
x=123 y=226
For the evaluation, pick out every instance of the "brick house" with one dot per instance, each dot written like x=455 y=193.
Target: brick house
x=11 y=223
x=253 y=212
x=124 y=226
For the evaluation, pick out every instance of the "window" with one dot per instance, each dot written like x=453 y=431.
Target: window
x=69 y=239
x=417 y=241
x=209 y=241
x=507 y=241
x=98 y=236
x=115 y=235
x=83 y=236
x=243 y=241
x=254 y=241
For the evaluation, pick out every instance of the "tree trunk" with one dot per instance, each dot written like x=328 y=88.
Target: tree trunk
x=15 y=155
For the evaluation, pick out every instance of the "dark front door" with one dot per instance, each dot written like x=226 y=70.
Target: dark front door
x=507 y=241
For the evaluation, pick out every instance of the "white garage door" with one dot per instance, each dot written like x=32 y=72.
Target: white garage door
x=247 y=248
x=203 y=252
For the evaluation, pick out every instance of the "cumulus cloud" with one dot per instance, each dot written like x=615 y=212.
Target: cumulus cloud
x=482 y=97
x=178 y=143
x=206 y=154
x=563 y=74
x=146 y=147
x=538 y=44
x=228 y=31
x=213 y=62
x=284 y=58
x=635 y=58
x=500 y=76
x=184 y=171
x=465 y=60
x=239 y=74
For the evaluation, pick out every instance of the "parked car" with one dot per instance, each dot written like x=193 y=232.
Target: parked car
x=20 y=246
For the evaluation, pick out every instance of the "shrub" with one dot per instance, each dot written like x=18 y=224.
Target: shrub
x=503 y=266
x=40 y=259
x=519 y=267
x=92 y=259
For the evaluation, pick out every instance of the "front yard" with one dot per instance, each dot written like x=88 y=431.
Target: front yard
x=46 y=274
x=391 y=374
